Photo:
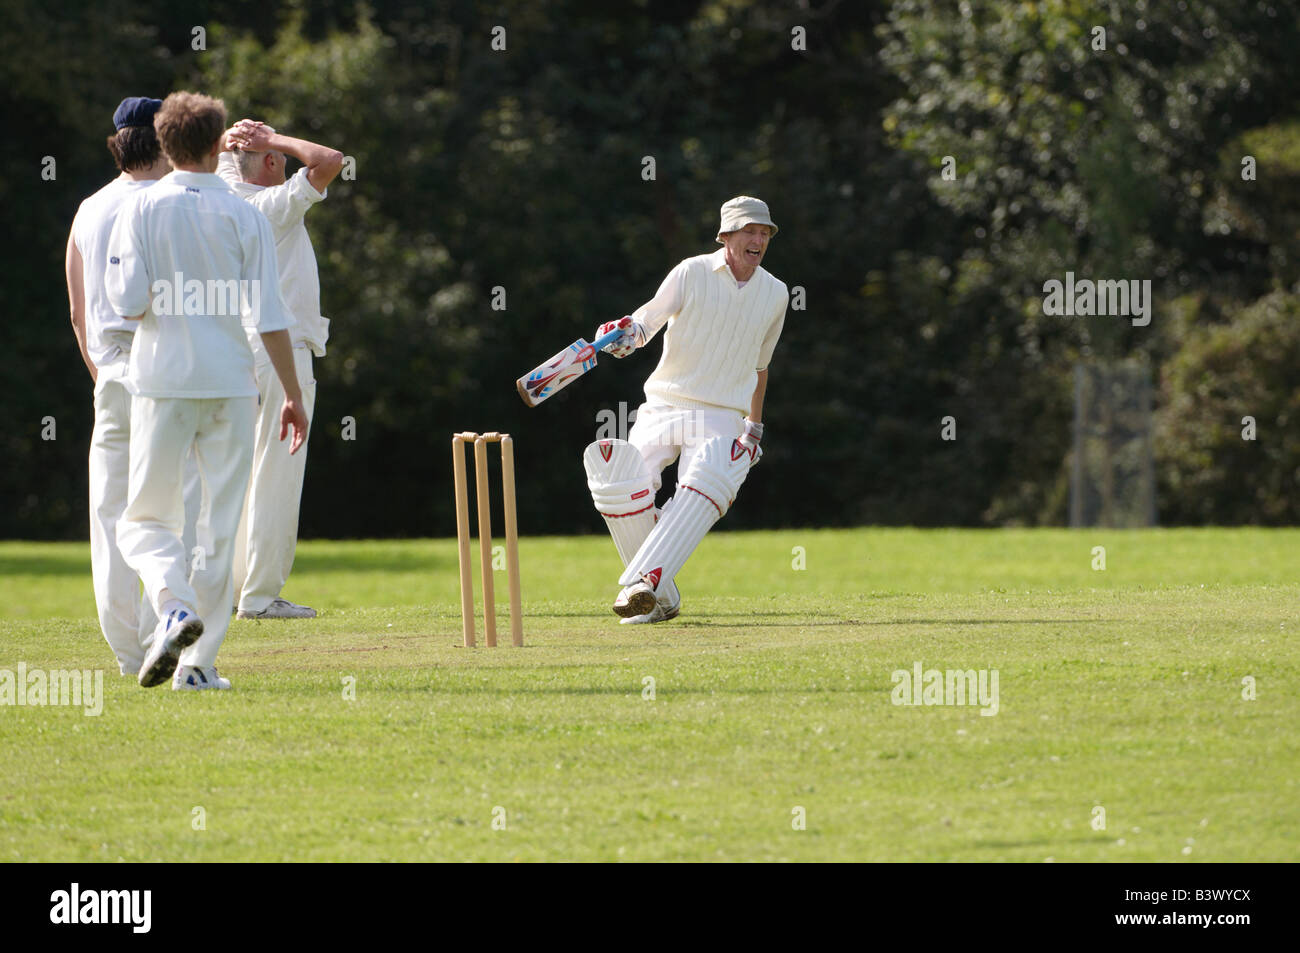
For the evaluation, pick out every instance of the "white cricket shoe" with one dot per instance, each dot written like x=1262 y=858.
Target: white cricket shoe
x=192 y=678
x=279 y=609
x=636 y=599
x=663 y=611
x=180 y=628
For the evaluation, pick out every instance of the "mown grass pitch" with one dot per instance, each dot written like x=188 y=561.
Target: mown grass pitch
x=1120 y=689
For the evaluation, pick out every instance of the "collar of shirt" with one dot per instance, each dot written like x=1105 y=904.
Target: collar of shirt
x=250 y=189
x=196 y=180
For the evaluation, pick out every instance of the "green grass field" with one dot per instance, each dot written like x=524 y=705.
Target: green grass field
x=1120 y=689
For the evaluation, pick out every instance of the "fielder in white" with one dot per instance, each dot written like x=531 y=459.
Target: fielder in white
x=252 y=162
x=194 y=263
x=105 y=340
x=704 y=403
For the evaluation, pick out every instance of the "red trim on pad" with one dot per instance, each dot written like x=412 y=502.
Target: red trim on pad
x=619 y=516
x=706 y=496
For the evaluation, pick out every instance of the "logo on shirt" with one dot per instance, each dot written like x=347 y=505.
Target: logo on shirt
x=114 y=260
x=190 y=188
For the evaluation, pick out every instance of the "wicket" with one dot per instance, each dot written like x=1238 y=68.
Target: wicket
x=480 y=442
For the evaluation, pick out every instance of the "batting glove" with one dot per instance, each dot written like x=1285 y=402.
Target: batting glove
x=623 y=346
x=750 y=438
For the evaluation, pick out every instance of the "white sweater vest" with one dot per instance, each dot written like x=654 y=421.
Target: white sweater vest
x=718 y=338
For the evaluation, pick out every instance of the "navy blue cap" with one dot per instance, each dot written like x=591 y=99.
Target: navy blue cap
x=136 y=111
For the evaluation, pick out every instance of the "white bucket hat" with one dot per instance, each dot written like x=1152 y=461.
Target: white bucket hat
x=741 y=211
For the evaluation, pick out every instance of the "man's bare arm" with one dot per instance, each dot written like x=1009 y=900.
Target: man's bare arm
x=322 y=162
x=72 y=267
x=756 y=402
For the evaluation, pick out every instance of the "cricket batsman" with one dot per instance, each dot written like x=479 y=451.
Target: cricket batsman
x=704 y=402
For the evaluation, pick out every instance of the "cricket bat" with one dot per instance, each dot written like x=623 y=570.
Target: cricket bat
x=562 y=369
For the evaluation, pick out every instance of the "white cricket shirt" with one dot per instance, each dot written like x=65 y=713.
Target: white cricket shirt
x=720 y=334
x=284 y=207
x=90 y=233
x=199 y=261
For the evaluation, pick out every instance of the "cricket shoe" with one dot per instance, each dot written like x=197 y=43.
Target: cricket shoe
x=192 y=678
x=636 y=599
x=181 y=628
x=279 y=609
x=663 y=611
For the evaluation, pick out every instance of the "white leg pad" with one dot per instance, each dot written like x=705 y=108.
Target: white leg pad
x=704 y=494
x=623 y=490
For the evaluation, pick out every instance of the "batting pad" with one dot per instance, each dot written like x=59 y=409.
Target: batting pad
x=623 y=491
x=704 y=494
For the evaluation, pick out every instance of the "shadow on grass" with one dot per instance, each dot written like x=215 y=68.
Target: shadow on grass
x=838 y=620
x=1041 y=842
x=794 y=621
x=630 y=690
x=705 y=624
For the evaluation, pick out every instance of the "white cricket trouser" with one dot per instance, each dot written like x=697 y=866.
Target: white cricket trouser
x=150 y=531
x=125 y=617
x=662 y=433
x=268 y=527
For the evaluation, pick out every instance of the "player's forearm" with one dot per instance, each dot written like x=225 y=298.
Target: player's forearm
x=648 y=320
x=280 y=350
x=310 y=154
x=756 y=401
x=79 y=329
x=72 y=268
x=655 y=313
x=322 y=162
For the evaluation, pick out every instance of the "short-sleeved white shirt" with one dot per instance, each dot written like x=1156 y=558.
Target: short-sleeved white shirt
x=199 y=262
x=285 y=207
x=90 y=233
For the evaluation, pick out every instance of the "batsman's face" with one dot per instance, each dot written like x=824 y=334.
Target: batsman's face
x=748 y=246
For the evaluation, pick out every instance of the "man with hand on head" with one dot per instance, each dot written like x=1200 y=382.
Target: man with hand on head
x=104 y=339
x=704 y=402
x=193 y=263
x=253 y=163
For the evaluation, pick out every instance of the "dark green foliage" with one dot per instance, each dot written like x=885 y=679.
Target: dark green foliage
x=1209 y=472
x=523 y=169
